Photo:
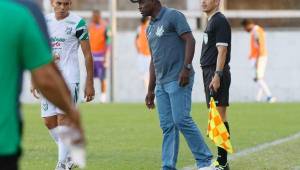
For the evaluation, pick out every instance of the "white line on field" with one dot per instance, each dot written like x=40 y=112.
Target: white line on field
x=257 y=148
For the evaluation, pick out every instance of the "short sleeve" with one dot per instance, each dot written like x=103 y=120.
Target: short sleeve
x=223 y=33
x=108 y=35
x=36 y=50
x=138 y=30
x=82 y=30
x=179 y=22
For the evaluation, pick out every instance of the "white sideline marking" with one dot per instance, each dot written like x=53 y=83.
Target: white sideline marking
x=257 y=148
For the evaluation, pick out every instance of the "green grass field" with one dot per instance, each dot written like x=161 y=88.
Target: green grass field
x=128 y=137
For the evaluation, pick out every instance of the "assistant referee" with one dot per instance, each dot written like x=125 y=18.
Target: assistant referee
x=215 y=58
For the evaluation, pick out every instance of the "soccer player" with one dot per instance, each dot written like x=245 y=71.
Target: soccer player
x=142 y=47
x=25 y=45
x=215 y=58
x=172 y=46
x=258 y=54
x=67 y=32
x=100 y=46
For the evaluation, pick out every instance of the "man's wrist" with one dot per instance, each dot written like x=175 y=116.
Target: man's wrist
x=219 y=73
x=188 y=67
x=150 y=91
x=90 y=82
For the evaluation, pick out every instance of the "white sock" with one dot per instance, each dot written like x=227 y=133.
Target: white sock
x=265 y=87
x=103 y=97
x=54 y=134
x=259 y=94
x=63 y=151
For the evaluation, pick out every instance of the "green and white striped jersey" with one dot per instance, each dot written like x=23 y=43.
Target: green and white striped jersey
x=65 y=37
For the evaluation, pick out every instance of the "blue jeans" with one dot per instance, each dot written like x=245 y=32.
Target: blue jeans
x=174 y=107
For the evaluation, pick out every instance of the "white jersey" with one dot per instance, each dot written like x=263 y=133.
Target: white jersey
x=65 y=36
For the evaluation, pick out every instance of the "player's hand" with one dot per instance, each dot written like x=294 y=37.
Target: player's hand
x=215 y=83
x=56 y=58
x=106 y=64
x=149 y=100
x=89 y=92
x=255 y=79
x=72 y=136
x=35 y=92
x=184 y=77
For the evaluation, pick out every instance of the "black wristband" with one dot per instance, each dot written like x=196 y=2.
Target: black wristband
x=219 y=73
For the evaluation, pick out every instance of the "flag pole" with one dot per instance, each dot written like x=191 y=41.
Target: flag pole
x=113 y=18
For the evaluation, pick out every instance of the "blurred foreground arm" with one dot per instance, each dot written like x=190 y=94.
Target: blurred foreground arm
x=48 y=80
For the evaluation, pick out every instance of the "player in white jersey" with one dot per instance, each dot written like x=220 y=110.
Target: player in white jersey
x=67 y=31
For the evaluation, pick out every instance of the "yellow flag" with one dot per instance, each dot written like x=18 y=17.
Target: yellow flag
x=216 y=130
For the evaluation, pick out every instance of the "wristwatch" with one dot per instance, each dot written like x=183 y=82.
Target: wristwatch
x=188 y=66
x=219 y=73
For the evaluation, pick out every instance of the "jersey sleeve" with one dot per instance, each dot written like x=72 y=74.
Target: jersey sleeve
x=179 y=22
x=223 y=33
x=34 y=44
x=82 y=30
x=108 y=35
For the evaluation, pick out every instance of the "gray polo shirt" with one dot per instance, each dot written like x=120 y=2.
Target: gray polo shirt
x=167 y=48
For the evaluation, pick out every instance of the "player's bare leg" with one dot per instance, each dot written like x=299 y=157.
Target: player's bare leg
x=103 y=91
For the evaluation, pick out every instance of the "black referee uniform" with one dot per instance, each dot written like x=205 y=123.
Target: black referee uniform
x=217 y=32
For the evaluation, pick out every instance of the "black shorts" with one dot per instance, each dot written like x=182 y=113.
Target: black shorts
x=9 y=162
x=222 y=95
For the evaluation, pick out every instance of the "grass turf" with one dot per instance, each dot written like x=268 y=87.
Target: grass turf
x=128 y=137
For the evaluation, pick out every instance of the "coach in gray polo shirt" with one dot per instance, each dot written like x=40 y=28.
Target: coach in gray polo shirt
x=171 y=81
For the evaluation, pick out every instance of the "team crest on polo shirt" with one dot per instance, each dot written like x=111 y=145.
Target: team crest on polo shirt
x=205 y=38
x=160 y=31
x=45 y=106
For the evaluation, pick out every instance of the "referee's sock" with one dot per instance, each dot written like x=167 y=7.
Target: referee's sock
x=222 y=153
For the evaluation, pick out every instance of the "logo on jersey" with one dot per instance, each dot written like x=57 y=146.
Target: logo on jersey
x=160 y=31
x=69 y=30
x=57 y=39
x=205 y=38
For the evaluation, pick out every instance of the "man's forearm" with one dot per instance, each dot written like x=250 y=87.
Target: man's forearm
x=190 y=43
x=189 y=51
x=222 y=53
x=152 y=78
x=51 y=84
x=89 y=69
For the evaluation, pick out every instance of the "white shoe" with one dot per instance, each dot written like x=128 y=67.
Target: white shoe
x=70 y=164
x=103 y=98
x=60 y=166
x=271 y=99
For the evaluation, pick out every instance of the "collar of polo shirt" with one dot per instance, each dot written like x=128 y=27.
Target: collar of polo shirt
x=160 y=14
x=213 y=14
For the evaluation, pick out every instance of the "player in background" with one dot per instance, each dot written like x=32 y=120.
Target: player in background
x=259 y=56
x=25 y=45
x=100 y=46
x=142 y=47
x=67 y=31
